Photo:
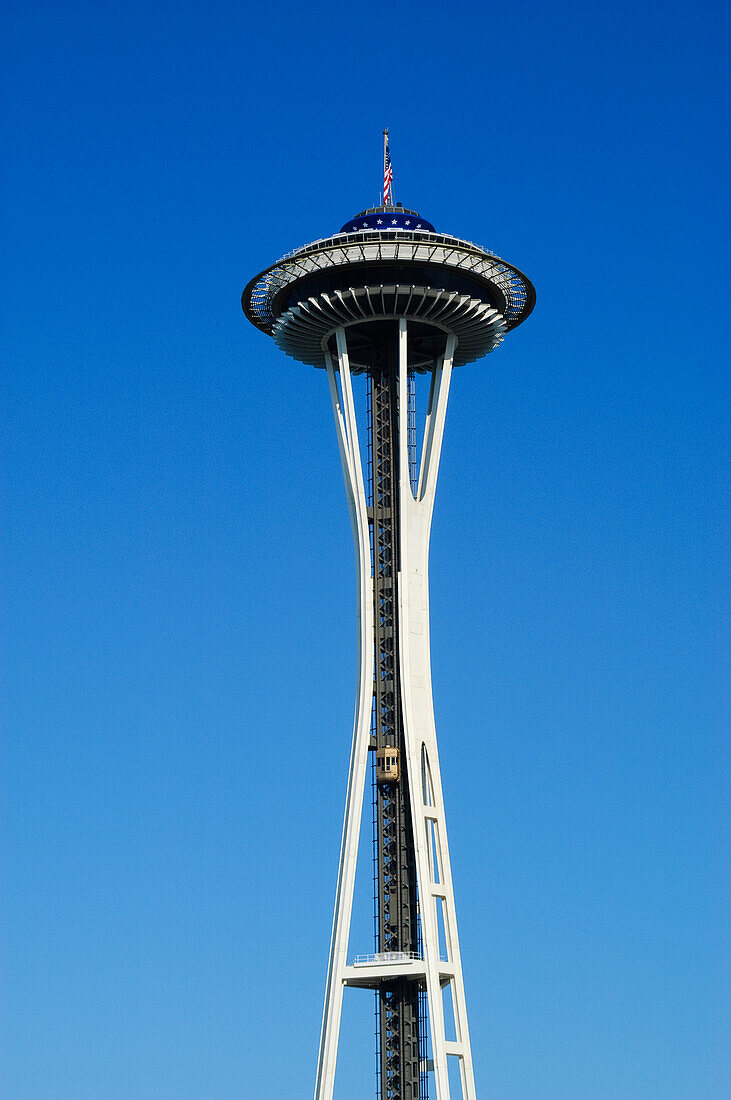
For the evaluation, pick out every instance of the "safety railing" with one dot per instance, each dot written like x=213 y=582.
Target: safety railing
x=386 y=957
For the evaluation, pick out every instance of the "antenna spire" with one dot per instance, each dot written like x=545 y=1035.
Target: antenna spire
x=387 y=172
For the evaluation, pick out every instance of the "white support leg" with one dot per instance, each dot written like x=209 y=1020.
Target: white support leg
x=345 y=421
x=434 y=879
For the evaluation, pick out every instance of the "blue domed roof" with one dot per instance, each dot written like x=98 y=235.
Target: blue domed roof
x=387 y=217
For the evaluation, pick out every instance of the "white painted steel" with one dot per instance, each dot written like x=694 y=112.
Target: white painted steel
x=433 y=872
x=420 y=729
x=345 y=421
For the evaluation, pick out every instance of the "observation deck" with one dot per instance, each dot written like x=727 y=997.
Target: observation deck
x=388 y=262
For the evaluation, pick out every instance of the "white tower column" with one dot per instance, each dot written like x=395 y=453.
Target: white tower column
x=440 y=967
x=345 y=423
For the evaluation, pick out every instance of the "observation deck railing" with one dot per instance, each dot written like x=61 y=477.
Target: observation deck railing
x=387 y=957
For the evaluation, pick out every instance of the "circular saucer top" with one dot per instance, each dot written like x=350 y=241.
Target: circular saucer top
x=387 y=247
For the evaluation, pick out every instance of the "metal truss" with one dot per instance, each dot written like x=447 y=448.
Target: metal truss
x=396 y=904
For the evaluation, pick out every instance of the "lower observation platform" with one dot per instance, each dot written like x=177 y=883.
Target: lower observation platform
x=370 y=971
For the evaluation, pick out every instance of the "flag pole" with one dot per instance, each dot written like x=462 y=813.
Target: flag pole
x=387 y=172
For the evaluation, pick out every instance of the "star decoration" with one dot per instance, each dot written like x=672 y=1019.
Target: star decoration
x=393 y=221
x=407 y=223
x=419 y=226
x=379 y=221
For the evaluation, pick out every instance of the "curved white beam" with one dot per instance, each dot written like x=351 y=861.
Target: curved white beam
x=345 y=421
x=434 y=879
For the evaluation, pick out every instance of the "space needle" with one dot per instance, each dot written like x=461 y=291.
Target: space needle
x=385 y=299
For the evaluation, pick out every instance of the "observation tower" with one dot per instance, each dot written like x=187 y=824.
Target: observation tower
x=383 y=300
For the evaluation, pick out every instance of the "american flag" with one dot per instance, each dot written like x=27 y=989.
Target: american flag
x=387 y=172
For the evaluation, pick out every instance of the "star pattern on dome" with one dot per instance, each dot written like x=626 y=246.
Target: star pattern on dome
x=378 y=220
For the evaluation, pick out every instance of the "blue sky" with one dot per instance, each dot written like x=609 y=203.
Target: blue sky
x=179 y=583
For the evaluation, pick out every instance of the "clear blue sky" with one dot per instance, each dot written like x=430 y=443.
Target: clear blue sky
x=178 y=578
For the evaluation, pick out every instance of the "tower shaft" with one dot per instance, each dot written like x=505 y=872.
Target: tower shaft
x=416 y=915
